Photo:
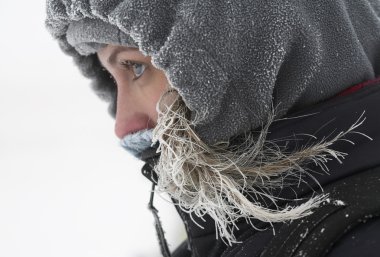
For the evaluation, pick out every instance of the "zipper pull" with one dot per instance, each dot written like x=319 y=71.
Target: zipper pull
x=148 y=171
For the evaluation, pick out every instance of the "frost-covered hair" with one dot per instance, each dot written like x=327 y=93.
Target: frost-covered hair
x=216 y=179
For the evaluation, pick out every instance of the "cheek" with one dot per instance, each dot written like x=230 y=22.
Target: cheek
x=154 y=97
x=153 y=92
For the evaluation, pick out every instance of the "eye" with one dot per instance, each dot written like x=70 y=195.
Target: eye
x=137 y=68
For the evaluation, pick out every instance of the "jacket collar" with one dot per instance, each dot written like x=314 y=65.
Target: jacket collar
x=321 y=120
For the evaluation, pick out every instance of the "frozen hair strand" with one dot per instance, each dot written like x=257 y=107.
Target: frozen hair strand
x=215 y=179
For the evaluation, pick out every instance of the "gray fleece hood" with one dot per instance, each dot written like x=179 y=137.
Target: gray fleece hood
x=231 y=61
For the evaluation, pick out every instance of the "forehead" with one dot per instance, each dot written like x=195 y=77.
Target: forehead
x=109 y=53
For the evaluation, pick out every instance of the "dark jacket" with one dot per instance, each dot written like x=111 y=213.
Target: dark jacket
x=230 y=61
x=362 y=237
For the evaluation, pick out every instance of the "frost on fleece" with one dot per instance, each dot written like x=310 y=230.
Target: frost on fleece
x=230 y=60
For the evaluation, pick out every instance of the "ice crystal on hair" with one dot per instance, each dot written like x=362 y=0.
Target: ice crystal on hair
x=213 y=179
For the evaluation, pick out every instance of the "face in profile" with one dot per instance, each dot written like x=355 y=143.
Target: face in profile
x=139 y=87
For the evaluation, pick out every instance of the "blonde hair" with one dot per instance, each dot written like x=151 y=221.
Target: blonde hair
x=213 y=179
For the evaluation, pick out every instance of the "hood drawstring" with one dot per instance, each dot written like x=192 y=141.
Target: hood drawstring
x=148 y=172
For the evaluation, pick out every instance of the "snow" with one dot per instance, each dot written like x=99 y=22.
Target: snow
x=66 y=186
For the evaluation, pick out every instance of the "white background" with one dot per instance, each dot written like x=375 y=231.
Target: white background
x=66 y=187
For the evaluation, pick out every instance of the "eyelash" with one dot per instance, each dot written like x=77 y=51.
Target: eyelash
x=129 y=66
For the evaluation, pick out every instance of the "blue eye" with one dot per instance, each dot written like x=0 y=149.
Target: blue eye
x=137 y=68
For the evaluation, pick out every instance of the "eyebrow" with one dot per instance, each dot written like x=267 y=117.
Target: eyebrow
x=112 y=58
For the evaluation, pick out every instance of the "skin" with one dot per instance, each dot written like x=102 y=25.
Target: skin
x=138 y=89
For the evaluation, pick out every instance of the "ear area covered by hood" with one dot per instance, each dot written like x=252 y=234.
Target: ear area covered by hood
x=231 y=61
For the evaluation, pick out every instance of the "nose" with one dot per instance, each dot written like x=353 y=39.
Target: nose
x=130 y=117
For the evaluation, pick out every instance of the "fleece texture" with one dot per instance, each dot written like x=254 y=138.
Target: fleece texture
x=231 y=61
x=138 y=142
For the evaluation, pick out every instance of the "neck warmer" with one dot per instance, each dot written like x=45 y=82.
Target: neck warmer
x=231 y=61
x=137 y=143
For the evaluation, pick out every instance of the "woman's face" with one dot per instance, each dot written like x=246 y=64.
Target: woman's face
x=139 y=87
